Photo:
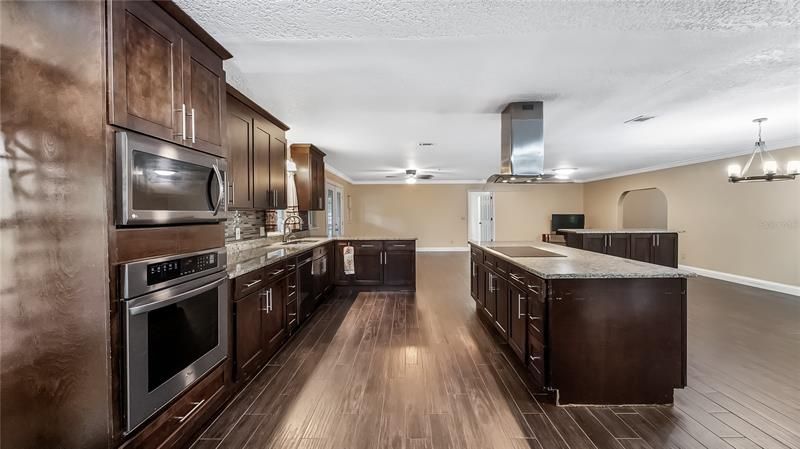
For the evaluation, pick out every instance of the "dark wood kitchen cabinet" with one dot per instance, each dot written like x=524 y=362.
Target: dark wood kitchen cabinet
x=657 y=248
x=310 y=176
x=611 y=244
x=390 y=263
x=257 y=156
x=502 y=299
x=518 y=318
x=368 y=257
x=399 y=265
x=163 y=81
x=259 y=317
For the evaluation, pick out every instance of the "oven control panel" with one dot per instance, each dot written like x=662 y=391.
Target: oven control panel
x=173 y=269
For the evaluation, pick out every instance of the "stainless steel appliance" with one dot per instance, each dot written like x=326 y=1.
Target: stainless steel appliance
x=161 y=183
x=175 y=327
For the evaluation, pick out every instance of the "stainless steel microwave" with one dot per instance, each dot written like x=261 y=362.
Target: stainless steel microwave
x=162 y=183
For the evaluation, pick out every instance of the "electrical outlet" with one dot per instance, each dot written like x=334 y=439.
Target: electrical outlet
x=238 y=233
x=262 y=231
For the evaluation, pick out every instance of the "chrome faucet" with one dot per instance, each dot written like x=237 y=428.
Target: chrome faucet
x=291 y=220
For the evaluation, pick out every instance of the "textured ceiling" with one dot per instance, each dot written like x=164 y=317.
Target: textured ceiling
x=367 y=80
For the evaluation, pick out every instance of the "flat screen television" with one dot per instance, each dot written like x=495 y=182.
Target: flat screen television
x=566 y=221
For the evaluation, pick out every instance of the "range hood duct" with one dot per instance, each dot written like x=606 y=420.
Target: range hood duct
x=522 y=145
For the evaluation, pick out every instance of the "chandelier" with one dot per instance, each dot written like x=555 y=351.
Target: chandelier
x=769 y=166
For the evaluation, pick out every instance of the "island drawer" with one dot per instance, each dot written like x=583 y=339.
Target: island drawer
x=517 y=276
x=501 y=267
x=476 y=253
x=490 y=261
x=536 y=327
x=535 y=362
x=248 y=283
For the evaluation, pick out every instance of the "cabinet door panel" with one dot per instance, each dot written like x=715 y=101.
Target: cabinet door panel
x=369 y=270
x=262 y=197
x=619 y=245
x=502 y=307
x=398 y=268
x=594 y=242
x=240 y=162
x=145 y=80
x=473 y=283
x=666 y=250
x=248 y=332
x=490 y=305
x=518 y=318
x=482 y=279
x=204 y=88
x=275 y=317
x=642 y=247
x=277 y=173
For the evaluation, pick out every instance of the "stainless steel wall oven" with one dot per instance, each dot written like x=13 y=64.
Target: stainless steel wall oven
x=175 y=327
x=162 y=183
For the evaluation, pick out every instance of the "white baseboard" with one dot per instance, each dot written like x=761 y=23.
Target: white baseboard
x=440 y=249
x=744 y=280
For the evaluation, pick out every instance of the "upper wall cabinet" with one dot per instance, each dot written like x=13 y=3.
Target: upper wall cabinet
x=163 y=80
x=257 y=155
x=310 y=176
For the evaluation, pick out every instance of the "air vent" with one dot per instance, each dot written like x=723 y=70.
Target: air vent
x=425 y=145
x=640 y=118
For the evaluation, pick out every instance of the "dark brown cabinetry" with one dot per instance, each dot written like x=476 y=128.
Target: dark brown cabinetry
x=659 y=248
x=518 y=319
x=257 y=156
x=259 y=316
x=390 y=263
x=163 y=81
x=310 y=176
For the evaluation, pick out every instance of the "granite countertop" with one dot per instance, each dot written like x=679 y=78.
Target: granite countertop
x=580 y=264
x=250 y=255
x=620 y=231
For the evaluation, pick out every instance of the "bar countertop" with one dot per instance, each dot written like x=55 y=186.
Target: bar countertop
x=579 y=264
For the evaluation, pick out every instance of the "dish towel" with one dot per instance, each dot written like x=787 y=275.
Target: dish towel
x=349 y=260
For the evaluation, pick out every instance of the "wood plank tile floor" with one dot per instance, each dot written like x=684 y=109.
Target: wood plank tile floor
x=400 y=370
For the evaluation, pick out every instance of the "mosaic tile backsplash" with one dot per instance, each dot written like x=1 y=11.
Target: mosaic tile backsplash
x=251 y=221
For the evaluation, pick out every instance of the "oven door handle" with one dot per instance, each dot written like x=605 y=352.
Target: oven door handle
x=158 y=303
x=221 y=185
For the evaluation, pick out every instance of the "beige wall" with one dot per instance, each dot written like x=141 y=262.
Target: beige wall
x=437 y=213
x=745 y=229
x=645 y=208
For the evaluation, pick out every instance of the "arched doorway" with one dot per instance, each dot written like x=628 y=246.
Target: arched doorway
x=643 y=208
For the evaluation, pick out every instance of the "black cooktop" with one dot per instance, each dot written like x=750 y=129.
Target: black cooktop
x=525 y=251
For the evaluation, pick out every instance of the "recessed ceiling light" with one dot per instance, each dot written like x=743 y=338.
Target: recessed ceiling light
x=640 y=118
x=564 y=172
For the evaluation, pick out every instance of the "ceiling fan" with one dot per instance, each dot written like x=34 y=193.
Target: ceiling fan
x=412 y=175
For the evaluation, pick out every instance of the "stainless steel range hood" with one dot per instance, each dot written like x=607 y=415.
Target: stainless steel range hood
x=522 y=145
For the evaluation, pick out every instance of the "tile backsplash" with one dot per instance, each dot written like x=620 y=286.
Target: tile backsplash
x=251 y=221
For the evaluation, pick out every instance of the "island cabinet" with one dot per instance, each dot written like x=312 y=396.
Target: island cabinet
x=594 y=340
x=310 y=176
x=163 y=81
x=259 y=316
x=383 y=263
x=660 y=248
x=256 y=155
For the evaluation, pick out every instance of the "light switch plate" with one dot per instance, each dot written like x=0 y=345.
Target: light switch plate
x=262 y=231
x=238 y=233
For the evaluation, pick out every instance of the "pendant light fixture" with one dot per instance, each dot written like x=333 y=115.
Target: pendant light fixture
x=769 y=166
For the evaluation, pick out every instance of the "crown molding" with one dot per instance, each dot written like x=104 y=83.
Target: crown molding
x=423 y=181
x=339 y=173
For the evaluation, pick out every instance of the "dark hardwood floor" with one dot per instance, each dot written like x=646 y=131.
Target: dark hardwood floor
x=379 y=370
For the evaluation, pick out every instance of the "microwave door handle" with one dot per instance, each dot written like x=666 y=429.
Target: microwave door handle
x=221 y=184
x=158 y=303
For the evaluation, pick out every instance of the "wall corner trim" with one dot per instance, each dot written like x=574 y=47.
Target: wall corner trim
x=441 y=249
x=788 y=289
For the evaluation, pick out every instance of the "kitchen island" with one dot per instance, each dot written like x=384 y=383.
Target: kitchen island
x=592 y=328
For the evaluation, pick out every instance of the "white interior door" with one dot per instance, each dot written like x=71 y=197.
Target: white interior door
x=481 y=216
x=334 y=199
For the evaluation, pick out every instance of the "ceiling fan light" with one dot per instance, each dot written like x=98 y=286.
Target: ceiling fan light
x=734 y=170
x=793 y=168
x=411 y=180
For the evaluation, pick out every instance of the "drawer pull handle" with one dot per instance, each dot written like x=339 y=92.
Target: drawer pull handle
x=250 y=284
x=520 y=313
x=275 y=273
x=366 y=246
x=515 y=277
x=194 y=410
x=533 y=318
x=533 y=359
x=534 y=289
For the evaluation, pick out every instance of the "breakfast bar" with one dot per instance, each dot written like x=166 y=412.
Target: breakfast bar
x=594 y=329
